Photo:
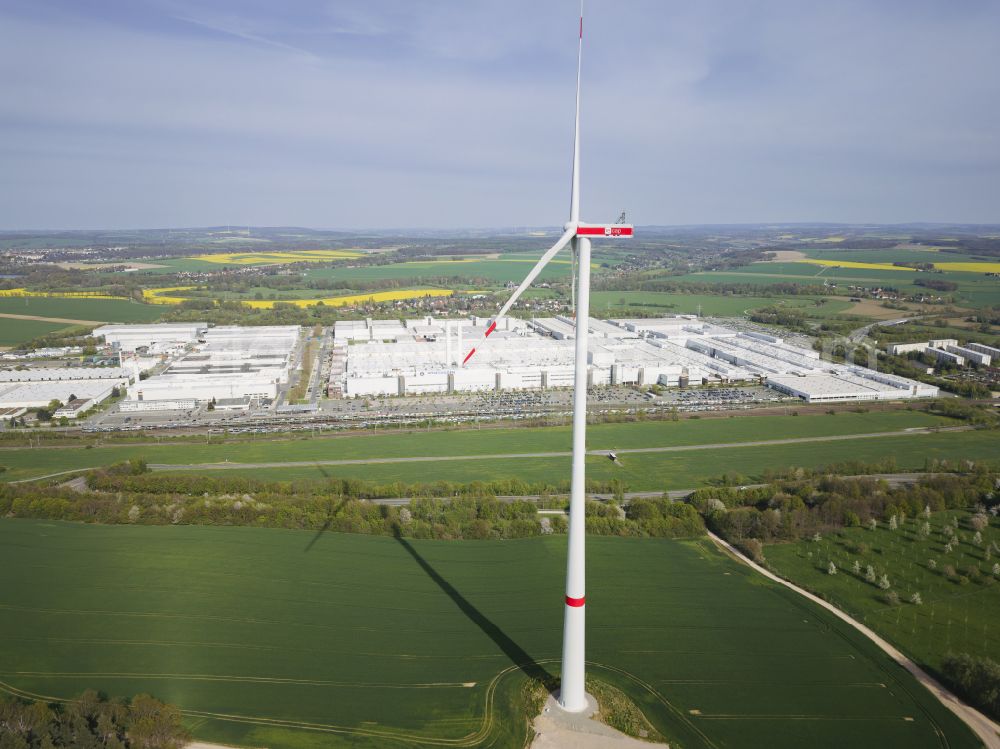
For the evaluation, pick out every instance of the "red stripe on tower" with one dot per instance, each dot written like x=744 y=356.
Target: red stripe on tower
x=468 y=356
x=575 y=602
x=490 y=329
x=581 y=27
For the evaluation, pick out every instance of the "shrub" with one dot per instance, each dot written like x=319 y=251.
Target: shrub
x=753 y=548
x=977 y=678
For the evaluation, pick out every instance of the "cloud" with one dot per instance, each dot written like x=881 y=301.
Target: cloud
x=446 y=113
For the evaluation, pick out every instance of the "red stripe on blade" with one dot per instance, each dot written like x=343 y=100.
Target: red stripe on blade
x=490 y=329
x=604 y=231
x=468 y=356
x=575 y=602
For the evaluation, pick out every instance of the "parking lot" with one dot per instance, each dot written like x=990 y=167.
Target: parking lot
x=462 y=407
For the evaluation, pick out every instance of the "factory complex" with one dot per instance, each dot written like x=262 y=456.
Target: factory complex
x=182 y=366
x=197 y=363
x=376 y=357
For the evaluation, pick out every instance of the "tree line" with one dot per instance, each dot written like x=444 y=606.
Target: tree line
x=794 y=508
x=443 y=510
x=91 y=721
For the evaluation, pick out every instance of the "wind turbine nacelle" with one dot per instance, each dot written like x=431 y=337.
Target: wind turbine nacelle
x=604 y=230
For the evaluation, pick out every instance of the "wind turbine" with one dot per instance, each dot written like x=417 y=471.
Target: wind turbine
x=572 y=695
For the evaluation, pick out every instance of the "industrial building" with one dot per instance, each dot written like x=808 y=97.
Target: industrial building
x=159 y=336
x=57 y=374
x=225 y=363
x=79 y=388
x=419 y=357
x=40 y=394
x=991 y=351
x=979 y=357
x=947 y=350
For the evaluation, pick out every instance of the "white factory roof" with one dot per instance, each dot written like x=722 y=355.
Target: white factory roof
x=37 y=394
x=39 y=374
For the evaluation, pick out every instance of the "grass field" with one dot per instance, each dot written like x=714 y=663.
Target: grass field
x=954 y=616
x=277 y=257
x=13 y=332
x=291 y=639
x=499 y=271
x=676 y=470
x=76 y=308
x=638 y=472
x=974 y=288
x=24 y=463
x=711 y=304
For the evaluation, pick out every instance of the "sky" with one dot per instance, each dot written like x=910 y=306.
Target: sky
x=380 y=114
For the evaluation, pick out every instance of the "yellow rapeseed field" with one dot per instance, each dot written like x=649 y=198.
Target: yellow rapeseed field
x=277 y=257
x=969 y=267
x=60 y=294
x=958 y=267
x=162 y=295
x=343 y=301
x=853 y=264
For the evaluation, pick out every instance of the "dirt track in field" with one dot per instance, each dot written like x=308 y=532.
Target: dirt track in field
x=11 y=316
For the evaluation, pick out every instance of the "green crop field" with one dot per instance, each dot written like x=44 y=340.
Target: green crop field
x=24 y=463
x=671 y=470
x=496 y=271
x=974 y=289
x=181 y=265
x=955 y=616
x=666 y=303
x=105 y=310
x=13 y=332
x=291 y=639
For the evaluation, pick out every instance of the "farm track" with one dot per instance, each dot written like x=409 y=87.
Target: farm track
x=40 y=318
x=553 y=454
x=985 y=728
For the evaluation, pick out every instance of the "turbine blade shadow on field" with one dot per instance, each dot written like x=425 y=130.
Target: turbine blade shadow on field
x=511 y=649
x=330 y=515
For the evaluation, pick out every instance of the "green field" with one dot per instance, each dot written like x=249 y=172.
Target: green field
x=27 y=462
x=666 y=303
x=954 y=616
x=681 y=470
x=496 y=271
x=974 y=289
x=14 y=332
x=291 y=639
x=104 y=310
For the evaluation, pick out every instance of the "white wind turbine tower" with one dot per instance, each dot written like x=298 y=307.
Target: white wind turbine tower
x=572 y=695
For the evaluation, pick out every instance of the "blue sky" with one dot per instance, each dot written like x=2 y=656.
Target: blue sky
x=452 y=113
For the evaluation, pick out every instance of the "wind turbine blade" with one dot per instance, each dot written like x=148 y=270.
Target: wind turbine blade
x=532 y=275
x=574 y=199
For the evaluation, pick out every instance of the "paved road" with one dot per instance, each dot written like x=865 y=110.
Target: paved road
x=986 y=729
x=560 y=454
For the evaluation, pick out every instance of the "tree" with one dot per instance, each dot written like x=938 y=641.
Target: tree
x=153 y=724
x=831 y=569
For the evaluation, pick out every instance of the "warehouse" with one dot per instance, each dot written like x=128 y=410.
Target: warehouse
x=979 y=357
x=50 y=374
x=41 y=394
x=132 y=337
x=228 y=363
x=426 y=356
